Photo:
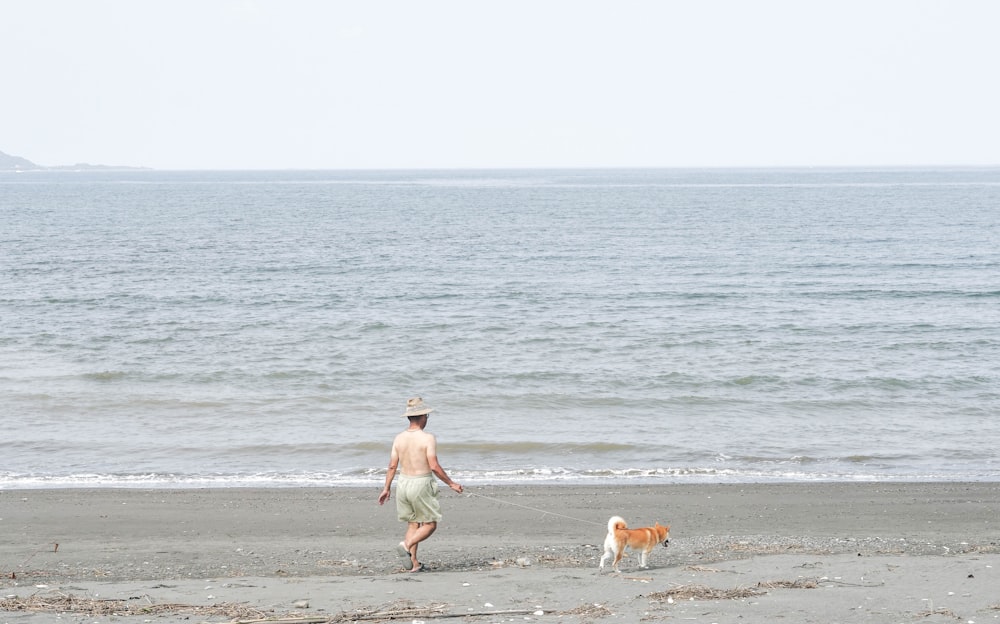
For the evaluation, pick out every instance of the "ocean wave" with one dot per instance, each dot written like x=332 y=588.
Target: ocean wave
x=515 y=448
x=373 y=478
x=109 y=375
x=539 y=448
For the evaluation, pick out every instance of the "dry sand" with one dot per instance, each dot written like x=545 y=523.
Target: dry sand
x=824 y=552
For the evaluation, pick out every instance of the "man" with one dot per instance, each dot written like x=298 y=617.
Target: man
x=417 y=493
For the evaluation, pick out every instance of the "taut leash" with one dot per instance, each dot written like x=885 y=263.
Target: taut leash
x=543 y=511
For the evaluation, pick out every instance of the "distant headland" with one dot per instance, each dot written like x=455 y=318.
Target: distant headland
x=16 y=163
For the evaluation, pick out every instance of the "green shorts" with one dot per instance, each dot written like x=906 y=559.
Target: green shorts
x=417 y=499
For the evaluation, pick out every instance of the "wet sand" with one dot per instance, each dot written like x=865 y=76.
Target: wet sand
x=822 y=552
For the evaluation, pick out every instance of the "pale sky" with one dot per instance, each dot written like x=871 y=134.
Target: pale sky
x=312 y=84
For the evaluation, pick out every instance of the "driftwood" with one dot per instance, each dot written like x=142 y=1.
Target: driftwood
x=389 y=615
x=240 y=614
x=65 y=603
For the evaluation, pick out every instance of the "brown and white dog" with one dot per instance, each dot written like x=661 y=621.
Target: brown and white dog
x=643 y=540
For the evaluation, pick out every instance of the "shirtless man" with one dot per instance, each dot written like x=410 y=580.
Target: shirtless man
x=417 y=492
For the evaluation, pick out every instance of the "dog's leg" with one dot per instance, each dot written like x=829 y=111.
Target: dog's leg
x=618 y=559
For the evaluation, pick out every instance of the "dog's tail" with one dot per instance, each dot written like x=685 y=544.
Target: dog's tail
x=616 y=522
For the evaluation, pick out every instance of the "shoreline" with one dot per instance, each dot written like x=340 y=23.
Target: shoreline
x=538 y=544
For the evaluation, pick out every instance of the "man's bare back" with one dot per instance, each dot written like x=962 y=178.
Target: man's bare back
x=413 y=449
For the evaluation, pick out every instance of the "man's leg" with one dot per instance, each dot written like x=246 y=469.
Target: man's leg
x=417 y=532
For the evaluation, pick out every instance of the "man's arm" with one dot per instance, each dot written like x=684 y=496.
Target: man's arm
x=390 y=474
x=436 y=468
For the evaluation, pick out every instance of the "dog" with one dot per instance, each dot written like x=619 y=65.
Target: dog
x=643 y=540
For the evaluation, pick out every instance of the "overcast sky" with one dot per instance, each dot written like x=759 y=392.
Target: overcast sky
x=318 y=84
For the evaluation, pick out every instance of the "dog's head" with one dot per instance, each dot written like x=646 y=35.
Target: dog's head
x=662 y=534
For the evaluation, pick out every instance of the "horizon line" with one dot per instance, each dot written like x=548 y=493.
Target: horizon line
x=88 y=168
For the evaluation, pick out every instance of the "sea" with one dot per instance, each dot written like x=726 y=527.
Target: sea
x=193 y=329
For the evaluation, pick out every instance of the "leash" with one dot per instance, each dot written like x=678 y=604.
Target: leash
x=542 y=511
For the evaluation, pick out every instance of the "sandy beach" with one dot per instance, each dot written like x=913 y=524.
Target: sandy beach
x=822 y=552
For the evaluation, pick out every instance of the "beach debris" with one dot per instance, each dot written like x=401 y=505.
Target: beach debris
x=595 y=610
x=335 y=563
x=67 y=603
x=402 y=609
x=704 y=592
x=242 y=614
x=944 y=612
x=806 y=583
x=700 y=568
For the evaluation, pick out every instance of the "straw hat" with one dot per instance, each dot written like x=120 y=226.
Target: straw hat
x=416 y=407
